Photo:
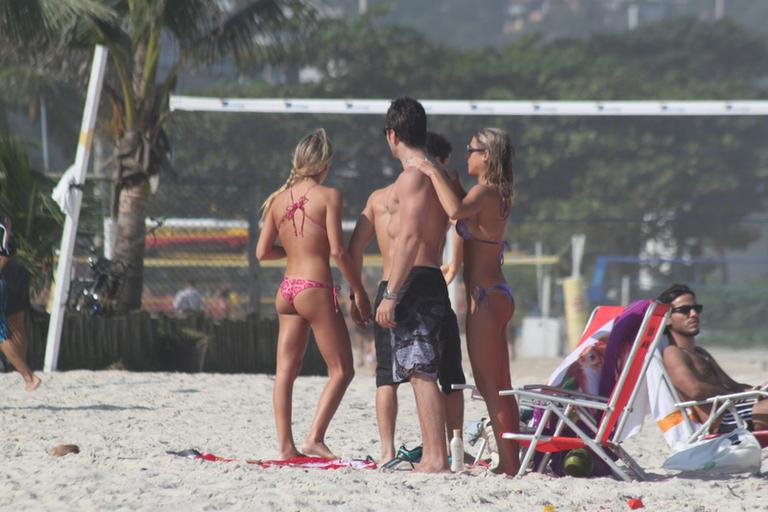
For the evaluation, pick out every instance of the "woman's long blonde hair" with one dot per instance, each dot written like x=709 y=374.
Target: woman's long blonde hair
x=499 y=174
x=312 y=155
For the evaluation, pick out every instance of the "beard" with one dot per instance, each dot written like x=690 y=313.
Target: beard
x=686 y=330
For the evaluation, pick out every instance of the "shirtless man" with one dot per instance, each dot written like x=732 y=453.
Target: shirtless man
x=693 y=370
x=415 y=304
x=374 y=220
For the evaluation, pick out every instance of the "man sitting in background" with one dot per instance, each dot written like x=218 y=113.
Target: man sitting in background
x=693 y=370
x=188 y=299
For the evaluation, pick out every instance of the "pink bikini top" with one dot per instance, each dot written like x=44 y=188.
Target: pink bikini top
x=464 y=232
x=298 y=205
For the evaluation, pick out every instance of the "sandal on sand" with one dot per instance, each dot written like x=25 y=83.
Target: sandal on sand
x=404 y=455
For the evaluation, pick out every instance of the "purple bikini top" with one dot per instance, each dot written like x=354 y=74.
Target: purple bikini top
x=464 y=232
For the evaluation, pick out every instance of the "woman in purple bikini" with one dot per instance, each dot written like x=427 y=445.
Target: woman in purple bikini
x=306 y=216
x=482 y=218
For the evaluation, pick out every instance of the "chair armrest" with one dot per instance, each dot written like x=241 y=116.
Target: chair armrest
x=565 y=392
x=736 y=397
x=475 y=392
x=554 y=398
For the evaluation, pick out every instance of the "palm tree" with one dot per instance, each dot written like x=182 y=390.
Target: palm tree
x=135 y=32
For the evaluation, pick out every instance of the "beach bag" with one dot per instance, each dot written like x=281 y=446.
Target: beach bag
x=735 y=452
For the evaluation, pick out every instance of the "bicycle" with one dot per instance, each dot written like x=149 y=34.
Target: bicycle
x=97 y=295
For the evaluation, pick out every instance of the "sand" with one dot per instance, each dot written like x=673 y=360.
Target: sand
x=124 y=422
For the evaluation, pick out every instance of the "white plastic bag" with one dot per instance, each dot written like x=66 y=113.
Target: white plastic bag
x=735 y=452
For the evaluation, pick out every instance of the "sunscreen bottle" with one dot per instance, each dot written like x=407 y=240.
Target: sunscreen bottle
x=457 y=452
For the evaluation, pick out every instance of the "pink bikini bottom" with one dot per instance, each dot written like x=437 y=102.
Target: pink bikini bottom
x=290 y=287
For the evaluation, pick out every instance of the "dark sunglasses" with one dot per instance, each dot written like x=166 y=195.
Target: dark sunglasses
x=471 y=150
x=686 y=310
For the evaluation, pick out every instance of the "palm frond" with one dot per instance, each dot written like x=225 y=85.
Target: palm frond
x=258 y=26
x=23 y=21
x=188 y=20
x=24 y=198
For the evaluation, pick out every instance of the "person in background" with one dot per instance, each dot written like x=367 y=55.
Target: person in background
x=188 y=298
x=14 y=304
x=220 y=307
x=440 y=149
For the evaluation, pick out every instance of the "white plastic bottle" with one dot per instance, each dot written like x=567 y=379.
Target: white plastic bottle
x=457 y=452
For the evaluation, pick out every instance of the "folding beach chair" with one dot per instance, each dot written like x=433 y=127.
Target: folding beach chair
x=599 y=317
x=604 y=435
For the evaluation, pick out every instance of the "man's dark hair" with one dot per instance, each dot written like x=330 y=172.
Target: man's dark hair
x=438 y=146
x=407 y=118
x=673 y=292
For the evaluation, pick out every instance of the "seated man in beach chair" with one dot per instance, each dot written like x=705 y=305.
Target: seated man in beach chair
x=695 y=373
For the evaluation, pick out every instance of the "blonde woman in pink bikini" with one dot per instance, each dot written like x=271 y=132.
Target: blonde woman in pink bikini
x=306 y=217
x=481 y=220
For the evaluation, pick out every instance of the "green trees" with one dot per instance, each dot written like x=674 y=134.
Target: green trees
x=683 y=182
x=136 y=33
x=680 y=181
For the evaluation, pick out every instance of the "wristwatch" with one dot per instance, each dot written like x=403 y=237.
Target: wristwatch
x=390 y=295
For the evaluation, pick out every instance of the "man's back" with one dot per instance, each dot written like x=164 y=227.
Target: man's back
x=377 y=202
x=413 y=206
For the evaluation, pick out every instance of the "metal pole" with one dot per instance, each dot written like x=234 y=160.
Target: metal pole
x=625 y=290
x=539 y=247
x=44 y=133
x=577 y=253
x=719 y=9
x=633 y=16
x=64 y=267
x=546 y=295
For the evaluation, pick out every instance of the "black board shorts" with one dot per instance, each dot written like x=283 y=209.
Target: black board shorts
x=426 y=339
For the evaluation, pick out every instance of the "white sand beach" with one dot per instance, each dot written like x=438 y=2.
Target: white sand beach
x=124 y=422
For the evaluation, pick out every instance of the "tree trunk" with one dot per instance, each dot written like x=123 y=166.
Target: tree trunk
x=129 y=247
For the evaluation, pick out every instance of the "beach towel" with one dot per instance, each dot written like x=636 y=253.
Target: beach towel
x=661 y=402
x=62 y=192
x=595 y=364
x=294 y=462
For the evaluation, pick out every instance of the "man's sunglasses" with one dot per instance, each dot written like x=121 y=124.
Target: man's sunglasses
x=686 y=310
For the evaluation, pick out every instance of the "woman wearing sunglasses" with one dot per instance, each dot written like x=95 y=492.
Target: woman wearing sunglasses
x=481 y=220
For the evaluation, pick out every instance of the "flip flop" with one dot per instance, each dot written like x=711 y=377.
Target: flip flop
x=413 y=455
x=403 y=455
